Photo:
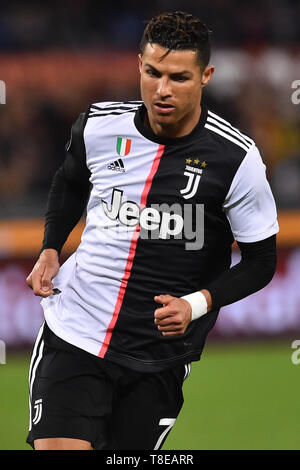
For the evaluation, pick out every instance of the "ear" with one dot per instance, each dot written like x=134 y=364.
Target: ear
x=207 y=74
x=140 y=61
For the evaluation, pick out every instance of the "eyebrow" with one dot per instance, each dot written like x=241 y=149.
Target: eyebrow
x=184 y=72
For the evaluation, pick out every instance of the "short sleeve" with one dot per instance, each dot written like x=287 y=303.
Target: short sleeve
x=249 y=204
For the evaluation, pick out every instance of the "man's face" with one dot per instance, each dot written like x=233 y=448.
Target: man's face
x=171 y=89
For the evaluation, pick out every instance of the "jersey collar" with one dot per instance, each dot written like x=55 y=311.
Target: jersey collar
x=149 y=134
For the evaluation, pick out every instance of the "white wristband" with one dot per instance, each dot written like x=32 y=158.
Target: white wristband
x=198 y=303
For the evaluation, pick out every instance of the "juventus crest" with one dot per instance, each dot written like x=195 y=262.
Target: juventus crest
x=194 y=176
x=38 y=407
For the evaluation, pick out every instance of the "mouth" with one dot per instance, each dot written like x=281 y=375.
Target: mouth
x=163 y=108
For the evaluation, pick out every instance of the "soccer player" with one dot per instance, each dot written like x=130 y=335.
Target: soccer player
x=170 y=185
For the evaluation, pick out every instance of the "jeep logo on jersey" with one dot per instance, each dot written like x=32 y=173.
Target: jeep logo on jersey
x=123 y=146
x=160 y=221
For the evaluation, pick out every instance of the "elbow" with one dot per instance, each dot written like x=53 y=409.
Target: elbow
x=268 y=269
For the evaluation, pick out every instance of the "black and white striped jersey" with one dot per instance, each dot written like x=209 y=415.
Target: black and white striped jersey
x=161 y=218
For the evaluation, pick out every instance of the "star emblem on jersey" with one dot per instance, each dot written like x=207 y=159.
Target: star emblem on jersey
x=196 y=161
x=123 y=146
x=117 y=165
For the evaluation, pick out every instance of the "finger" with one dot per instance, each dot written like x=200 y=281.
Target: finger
x=170 y=320
x=46 y=285
x=174 y=333
x=29 y=281
x=36 y=279
x=40 y=283
x=43 y=293
x=163 y=299
x=162 y=313
x=46 y=282
x=169 y=328
x=47 y=288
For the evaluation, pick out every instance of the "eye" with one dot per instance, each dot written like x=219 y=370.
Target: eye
x=179 y=78
x=152 y=73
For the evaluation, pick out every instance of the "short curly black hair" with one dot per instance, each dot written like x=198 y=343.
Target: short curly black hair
x=178 y=31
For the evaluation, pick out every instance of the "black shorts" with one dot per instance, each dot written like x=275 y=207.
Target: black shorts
x=75 y=394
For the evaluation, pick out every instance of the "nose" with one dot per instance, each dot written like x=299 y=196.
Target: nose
x=164 y=88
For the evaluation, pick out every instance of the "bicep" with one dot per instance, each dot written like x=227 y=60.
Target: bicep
x=249 y=205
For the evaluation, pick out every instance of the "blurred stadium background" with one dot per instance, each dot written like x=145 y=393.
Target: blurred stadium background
x=58 y=57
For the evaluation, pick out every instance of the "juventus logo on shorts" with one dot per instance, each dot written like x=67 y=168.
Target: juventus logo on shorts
x=192 y=184
x=38 y=406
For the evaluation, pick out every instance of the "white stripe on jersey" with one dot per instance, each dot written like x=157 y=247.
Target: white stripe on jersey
x=231 y=131
x=33 y=356
x=223 y=121
x=187 y=371
x=33 y=371
x=227 y=136
x=112 y=111
x=115 y=104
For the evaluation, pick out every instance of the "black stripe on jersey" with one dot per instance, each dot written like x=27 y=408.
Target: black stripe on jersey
x=132 y=102
x=112 y=113
x=113 y=108
x=121 y=163
x=35 y=352
x=231 y=132
x=227 y=124
x=117 y=103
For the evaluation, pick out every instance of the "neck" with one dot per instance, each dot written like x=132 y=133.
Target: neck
x=179 y=129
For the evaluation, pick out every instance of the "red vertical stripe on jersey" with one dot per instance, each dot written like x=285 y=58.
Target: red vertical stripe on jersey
x=128 y=145
x=131 y=254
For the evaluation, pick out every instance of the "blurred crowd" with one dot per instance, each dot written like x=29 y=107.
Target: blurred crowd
x=58 y=57
x=77 y=24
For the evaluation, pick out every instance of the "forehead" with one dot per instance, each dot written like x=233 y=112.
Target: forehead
x=175 y=61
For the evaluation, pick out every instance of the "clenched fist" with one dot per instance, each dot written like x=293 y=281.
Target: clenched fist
x=174 y=317
x=45 y=269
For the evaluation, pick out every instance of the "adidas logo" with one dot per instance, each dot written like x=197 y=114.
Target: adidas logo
x=117 y=165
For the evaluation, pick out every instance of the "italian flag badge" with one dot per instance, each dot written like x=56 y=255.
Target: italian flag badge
x=123 y=146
